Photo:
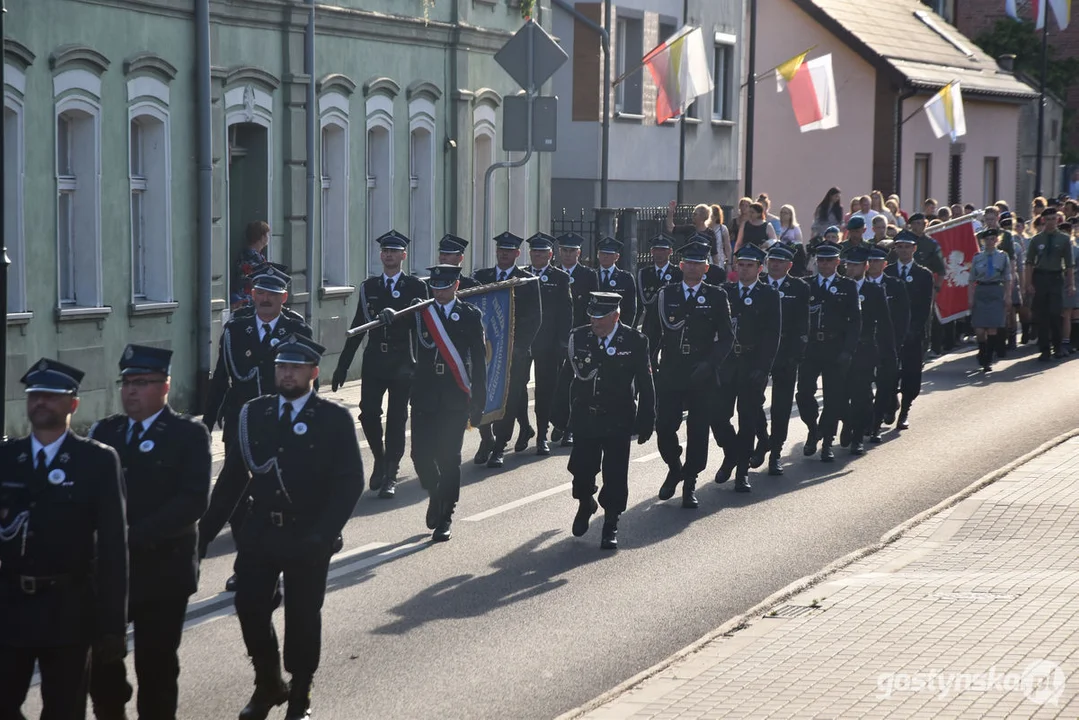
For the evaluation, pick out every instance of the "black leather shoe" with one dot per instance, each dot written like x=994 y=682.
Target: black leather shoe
x=270 y=691
x=757 y=458
x=741 y=483
x=889 y=418
x=389 y=483
x=903 y=422
x=543 y=447
x=497 y=459
x=567 y=440
x=609 y=540
x=857 y=448
x=526 y=434
x=1045 y=357
x=670 y=484
x=376 y=475
x=556 y=434
x=442 y=532
x=299 y=700
x=775 y=468
x=845 y=436
x=434 y=513
x=876 y=438
x=483 y=454
x=724 y=472
x=826 y=454
x=230 y=584
x=338 y=545
x=810 y=447
x=585 y=511
x=689 y=497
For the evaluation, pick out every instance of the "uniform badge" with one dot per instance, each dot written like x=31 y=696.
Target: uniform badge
x=910 y=278
x=612 y=283
x=249 y=329
x=247 y=354
x=455 y=317
x=833 y=289
x=588 y=358
x=300 y=428
x=670 y=319
x=274 y=342
x=700 y=299
x=22 y=457
x=43 y=366
x=571 y=279
x=128 y=353
x=748 y=301
x=861 y=298
x=64 y=457
x=146 y=446
x=397 y=293
x=57 y=476
x=782 y=295
x=667 y=276
x=543 y=278
x=610 y=351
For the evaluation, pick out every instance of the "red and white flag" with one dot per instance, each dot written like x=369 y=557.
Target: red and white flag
x=812 y=89
x=958 y=244
x=447 y=349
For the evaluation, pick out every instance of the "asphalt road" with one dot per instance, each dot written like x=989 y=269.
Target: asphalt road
x=515 y=618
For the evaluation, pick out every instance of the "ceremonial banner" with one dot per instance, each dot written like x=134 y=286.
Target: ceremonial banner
x=958 y=244
x=679 y=67
x=497 y=309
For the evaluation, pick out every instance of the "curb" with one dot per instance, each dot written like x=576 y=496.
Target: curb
x=739 y=622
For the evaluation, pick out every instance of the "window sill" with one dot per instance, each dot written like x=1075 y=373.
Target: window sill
x=692 y=121
x=152 y=308
x=716 y=122
x=64 y=314
x=330 y=292
x=19 y=318
x=628 y=117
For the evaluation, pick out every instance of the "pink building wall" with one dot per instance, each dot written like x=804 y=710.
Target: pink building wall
x=992 y=131
x=792 y=166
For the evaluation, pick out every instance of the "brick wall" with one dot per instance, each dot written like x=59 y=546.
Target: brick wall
x=974 y=17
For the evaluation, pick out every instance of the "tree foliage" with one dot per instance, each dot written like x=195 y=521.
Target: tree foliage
x=1008 y=37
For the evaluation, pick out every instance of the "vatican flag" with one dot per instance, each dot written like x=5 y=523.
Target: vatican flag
x=945 y=112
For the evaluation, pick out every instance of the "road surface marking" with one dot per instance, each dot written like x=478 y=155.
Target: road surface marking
x=518 y=503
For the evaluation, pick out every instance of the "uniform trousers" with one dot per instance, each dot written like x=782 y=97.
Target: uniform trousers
x=671 y=400
x=548 y=364
x=609 y=454
x=376 y=382
x=860 y=389
x=158 y=626
x=258 y=565
x=886 y=402
x=911 y=359
x=784 y=376
x=437 y=435
x=1047 y=306
x=515 y=399
x=821 y=363
x=64 y=671
x=739 y=392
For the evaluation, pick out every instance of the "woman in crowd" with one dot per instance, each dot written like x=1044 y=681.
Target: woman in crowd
x=702 y=216
x=740 y=217
x=766 y=201
x=723 y=234
x=829 y=212
x=253 y=254
x=893 y=208
x=989 y=294
x=791 y=237
x=876 y=203
x=756 y=230
x=855 y=207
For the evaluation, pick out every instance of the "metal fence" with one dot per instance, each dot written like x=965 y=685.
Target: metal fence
x=585 y=226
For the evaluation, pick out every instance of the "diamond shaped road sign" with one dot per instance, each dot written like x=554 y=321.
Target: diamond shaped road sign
x=547 y=55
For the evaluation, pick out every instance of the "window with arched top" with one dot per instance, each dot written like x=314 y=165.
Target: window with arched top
x=333 y=105
x=17 y=59
x=484 y=133
x=381 y=93
x=421 y=173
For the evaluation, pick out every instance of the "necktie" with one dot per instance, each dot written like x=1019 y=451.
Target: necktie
x=745 y=292
x=904 y=271
x=501 y=275
x=266 y=330
x=690 y=295
x=990 y=267
x=42 y=460
x=824 y=283
x=136 y=435
x=603 y=344
x=775 y=284
x=606 y=276
x=441 y=311
x=286 y=416
x=389 y=285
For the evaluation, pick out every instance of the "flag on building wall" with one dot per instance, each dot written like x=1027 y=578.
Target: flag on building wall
x=945 y=112
x=679 y=67
x=1039 y=13
x=812 y=89
x=1062 y=11
x=1011 y=10
x=958 y=244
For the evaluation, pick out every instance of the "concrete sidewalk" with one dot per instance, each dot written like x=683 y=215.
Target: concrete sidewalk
x=971 y=611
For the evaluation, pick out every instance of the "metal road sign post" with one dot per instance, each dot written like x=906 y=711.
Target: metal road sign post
x=530 y=57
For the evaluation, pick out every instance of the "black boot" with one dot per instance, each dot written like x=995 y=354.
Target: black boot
x=1000 y=346
x=1026 y=334
x=609 y=540
x=741 y=480
x=389 y=482
x=775 y=468
x=271 y=690
x=567 y=440
x=810 y=448
x=903 y=423
x=670 y=484
x=526 y=434
x=826 y=452
x=1011 y=340
x=483 y=454
x=725 y=470
x=434 y=512
x=299 y=699
x=442 y=532
x=689 y=497
x=585 y=510
x=377 y=474
x=498 y=456
x=542 y=446
x=757 y=458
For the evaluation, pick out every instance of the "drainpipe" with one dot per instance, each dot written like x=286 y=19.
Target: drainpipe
x=205 y=197
x=312 y=111
x=897 y=160
x=450 y=145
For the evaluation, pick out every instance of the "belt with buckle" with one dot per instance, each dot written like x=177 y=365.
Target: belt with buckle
x=596 y=410
x=987 y=283
x=440 y=368
x=31 y=585
x=687 y=349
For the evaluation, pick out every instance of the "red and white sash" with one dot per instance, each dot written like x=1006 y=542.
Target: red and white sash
x=433 y=321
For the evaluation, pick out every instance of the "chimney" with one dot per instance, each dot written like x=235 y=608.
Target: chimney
x=1006 y=63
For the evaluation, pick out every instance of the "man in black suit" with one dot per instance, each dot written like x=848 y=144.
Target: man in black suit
x=449 y=391
x=610 y=398
x=388 y=360
x=166 y=464
x=884 y=404
x=549 y=345
x=756 y=317
x=794 y=336
x=299 y=459
x=451 y=251
x=834 y=324
x=614 y=279
x=527 y=316
x=919 y=282
x=876 y=344
x=650 y=280
x=245 y=356
x=63 y=551
x=582 y=283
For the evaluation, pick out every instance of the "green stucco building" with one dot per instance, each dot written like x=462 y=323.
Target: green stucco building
x=101 y=165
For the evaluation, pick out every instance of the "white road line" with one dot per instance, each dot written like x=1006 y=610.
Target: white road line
x=646 y=458
x=518 y=503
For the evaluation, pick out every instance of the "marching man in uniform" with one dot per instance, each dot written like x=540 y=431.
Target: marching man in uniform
x=63 y=551
x=614 y=279
x=448 y=393
x=650 y=280
x=299 y=459
x=610 y=399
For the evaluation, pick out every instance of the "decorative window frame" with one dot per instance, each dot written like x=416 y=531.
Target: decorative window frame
x=484 y=124
x=422 y=115
x=148 y=96
x=334 y=110
x=14 y=96
x=380 y=93
x=77 y=87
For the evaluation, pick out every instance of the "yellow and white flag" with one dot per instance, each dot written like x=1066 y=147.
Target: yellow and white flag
x=945 y=112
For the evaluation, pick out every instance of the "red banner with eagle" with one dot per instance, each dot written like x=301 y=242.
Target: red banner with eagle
x=958 y=244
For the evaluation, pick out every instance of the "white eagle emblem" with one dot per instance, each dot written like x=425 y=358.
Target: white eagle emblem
x=956 y=270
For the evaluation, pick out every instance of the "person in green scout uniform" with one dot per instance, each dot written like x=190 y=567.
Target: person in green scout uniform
x=1049 y=273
